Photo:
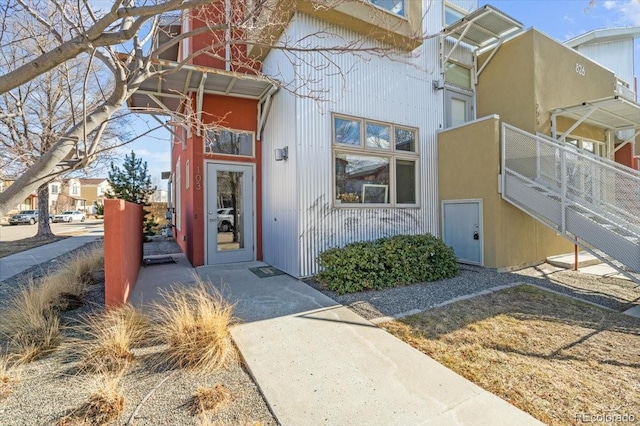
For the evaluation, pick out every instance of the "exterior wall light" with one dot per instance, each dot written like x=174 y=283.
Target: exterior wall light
x=282 y=153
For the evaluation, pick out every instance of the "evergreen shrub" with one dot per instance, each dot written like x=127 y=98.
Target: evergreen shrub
x=386 y=262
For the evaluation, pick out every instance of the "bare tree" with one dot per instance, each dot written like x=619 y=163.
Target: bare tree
x=35 y=115
x=129 y=40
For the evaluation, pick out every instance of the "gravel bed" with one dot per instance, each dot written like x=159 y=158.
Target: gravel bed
x=616 y=294
x=50 y=388
x=10 y=286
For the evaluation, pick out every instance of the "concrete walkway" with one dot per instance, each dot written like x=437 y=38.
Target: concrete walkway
x=20 y=262
x=318 y=362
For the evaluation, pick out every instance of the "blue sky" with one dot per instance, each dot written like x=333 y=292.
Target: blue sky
x=560 y=19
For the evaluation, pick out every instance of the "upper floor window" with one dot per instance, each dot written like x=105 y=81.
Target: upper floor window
x=452 y=13
x=75 y=189
x=375 y=163
x=589 y=145
x=395 y=6
x=457 y=75
x=55 y=189
x=229 y=142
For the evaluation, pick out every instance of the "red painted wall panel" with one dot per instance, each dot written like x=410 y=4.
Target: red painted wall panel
x=122 y=249
x=625 y=156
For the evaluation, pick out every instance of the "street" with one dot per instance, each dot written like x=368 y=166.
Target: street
x=19 y=232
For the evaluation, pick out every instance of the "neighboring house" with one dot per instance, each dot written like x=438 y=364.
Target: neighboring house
x=94 y=190
x=66 y=195
x=300 y=180
x=28 y=203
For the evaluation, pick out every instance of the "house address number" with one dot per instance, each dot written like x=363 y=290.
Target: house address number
x=580 y=69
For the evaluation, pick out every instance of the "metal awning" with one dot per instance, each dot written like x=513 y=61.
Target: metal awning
x=167 y=92
x=484 y=29
x=172 y=87
x=614 y=114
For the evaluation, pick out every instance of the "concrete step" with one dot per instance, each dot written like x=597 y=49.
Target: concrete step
x=567 y=260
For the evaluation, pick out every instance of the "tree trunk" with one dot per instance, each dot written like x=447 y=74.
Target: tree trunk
x=44 y=228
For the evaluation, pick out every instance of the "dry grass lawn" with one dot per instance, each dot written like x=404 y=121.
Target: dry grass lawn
x=549 y=355
x=12 y=247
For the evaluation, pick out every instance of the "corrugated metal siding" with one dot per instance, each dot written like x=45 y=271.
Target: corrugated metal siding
x=396 y=91
x=615 y=55
x=279 y=200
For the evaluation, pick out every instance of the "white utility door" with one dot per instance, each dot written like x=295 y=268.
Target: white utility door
x=462 y=229
x=230 y=217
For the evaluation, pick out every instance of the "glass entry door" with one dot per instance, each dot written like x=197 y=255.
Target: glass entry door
x=229 y=213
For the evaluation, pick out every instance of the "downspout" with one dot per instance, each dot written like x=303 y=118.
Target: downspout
x=264 y=106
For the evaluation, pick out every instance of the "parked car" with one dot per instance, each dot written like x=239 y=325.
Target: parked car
x=225 y=220
x=69 y=216
x=25 y=216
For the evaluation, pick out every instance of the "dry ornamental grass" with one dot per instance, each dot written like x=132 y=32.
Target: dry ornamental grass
x=109 y=337
x=194 y=323
x=209 y=399
x=7 y=378
x=549 y=355
x=31 y=323
x=104 y=405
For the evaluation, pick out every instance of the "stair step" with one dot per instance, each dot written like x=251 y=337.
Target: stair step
x=566 y=260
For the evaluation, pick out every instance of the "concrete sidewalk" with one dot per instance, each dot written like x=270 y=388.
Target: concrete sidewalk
x=20 y=262
x=318 y=362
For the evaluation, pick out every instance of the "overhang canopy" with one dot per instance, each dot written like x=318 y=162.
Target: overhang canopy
x=168 y=90
x=171 y=88
x=483 y=27
x=614 y=113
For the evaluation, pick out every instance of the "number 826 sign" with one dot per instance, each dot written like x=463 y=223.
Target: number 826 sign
x=580 y=69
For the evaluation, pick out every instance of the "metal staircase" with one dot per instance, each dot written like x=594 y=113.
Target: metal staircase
x=590 y=200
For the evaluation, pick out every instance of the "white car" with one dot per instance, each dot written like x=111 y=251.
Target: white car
x=69 y=216
x=225 y=220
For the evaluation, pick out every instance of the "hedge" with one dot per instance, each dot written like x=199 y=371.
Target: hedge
x=386 y=262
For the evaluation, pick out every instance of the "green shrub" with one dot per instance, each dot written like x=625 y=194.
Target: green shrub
x=386 y=262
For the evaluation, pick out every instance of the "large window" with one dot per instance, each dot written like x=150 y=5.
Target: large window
x=395 y=6
x=229 y=142
x=457 y=75
x=375 y=163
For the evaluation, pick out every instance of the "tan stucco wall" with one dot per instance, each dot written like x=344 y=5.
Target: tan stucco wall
x=531 y=75
x=468 y=168
x=558 y=84
x=506 y=86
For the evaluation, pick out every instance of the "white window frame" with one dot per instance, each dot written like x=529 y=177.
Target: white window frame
x=391 y=154
x=470 y=89
x=178 y=189
x=248 y=132
x=75 y=189
x=404 y=9
x=597 y=145
x=55 y=189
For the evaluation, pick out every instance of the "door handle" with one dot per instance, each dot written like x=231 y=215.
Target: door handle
x=476 y=236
